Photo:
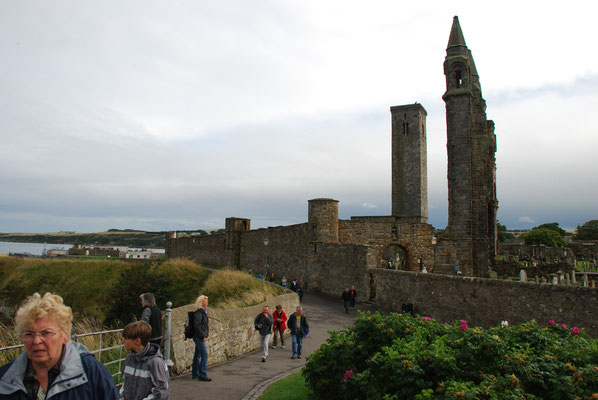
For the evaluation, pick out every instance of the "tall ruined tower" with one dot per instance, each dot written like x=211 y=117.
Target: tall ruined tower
x=409 y=163
x=471 y=145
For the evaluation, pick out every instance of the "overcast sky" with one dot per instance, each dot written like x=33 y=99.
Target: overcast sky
x=171 y=115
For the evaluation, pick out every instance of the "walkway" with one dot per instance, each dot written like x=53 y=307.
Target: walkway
x=247 y=377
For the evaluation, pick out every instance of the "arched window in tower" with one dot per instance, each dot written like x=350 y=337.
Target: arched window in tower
x=405 y=125
x=458 y=75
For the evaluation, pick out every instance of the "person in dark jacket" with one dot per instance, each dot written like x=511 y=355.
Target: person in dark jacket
x=263 y=323
x=153 y=316
x=52 y=366
x=346 y=297
x=299 y=329
x=145 y=374
x=199 y=367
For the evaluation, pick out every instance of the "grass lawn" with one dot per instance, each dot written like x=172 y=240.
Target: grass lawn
x=290 y=388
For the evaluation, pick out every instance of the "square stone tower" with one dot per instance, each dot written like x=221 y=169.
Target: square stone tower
x=409 y=163
x=471 y=147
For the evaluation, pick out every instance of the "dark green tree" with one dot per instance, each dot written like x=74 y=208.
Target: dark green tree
x=125 y=304
x=554 y=226
x=502 y=233
x=543 y=236
x=588 y=231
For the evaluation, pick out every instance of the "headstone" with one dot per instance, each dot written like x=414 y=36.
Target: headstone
x=522 y=275
x=555 y=279
x=567 y=279
x=573 y=278
x=585 y=280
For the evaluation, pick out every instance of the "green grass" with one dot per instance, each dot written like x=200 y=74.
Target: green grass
x=290 y=388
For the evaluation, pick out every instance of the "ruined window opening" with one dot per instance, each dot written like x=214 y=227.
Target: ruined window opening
x=405 y=127
x=459 y=78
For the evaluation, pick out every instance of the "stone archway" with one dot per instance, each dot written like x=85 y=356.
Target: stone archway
x=395 y=256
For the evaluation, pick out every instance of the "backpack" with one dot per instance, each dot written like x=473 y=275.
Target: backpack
x=189 y=325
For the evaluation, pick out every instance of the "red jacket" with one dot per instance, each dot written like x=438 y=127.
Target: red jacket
x=283 y=317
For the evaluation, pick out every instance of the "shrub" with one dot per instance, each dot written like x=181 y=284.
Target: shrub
x=398 y=356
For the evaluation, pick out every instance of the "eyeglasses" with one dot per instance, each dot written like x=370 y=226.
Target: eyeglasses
x=29 y=336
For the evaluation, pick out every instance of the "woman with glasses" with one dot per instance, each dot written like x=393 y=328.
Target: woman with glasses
x=52 y=366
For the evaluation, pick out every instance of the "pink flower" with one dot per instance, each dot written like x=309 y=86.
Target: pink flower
x=575 y=330
x=551 y=322
x=463 y=326
x=426 y=318
x=564 y=326
x=463 y=321
x=348 y=375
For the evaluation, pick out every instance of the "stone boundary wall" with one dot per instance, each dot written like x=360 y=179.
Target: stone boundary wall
x=486 y=302
x=284 y=254
x=334 y=267
x=209 y=250
x=231 y=332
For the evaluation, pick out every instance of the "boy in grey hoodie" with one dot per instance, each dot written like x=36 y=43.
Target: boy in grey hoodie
x=145 y=374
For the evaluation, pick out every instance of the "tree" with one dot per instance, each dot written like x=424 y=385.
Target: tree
x=543 y=236
x=588 y=231
x=554 y=226
x=502 y=233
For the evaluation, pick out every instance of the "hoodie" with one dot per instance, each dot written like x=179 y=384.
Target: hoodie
x=145 y=375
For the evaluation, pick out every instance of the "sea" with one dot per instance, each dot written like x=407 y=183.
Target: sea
x=35 y=249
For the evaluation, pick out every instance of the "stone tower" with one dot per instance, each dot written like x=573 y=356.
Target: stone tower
x=409 y=163
x=471 y=145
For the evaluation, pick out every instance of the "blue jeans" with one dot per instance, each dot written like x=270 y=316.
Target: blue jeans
x=199 y=367
x=297 y=343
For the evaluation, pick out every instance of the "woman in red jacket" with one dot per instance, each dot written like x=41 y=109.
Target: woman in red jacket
x=280 y=319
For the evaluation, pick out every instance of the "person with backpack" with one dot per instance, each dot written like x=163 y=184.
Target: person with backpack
x=153 y=316
x=201 y=330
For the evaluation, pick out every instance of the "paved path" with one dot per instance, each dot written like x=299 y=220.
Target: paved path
x=247 y=377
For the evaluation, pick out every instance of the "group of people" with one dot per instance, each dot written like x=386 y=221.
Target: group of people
x=53 y=366
x=276 y=323
x=348 y=297
x=296 y=285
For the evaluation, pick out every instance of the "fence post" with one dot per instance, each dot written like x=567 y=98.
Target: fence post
x=167 y=342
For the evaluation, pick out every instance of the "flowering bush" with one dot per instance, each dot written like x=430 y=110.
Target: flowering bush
x=398 y=356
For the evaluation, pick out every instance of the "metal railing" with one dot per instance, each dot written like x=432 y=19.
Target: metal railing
x=106 y=346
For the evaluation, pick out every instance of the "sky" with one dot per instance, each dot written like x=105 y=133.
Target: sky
x=160 y=116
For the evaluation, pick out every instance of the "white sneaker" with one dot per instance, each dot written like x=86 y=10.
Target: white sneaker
x=273 y=347
x=282 y=347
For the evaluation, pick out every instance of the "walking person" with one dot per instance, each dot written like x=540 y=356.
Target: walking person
x=199 y=367
x=353 y=296
x=299 y=328
x=280 y=319
x=153 y=316
x=145 y=374
x=346 y=297
x=263 y=323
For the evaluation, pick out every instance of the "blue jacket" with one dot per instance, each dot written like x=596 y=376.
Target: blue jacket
x=81 y=377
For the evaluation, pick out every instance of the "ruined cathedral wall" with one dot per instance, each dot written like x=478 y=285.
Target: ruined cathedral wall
x=284 y=254
x=334 y=266
x=415 y=238
x=486 y=302
x=209 y=250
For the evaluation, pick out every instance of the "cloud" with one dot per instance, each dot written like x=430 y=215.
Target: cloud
x=526 y=220
x=368 y=205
